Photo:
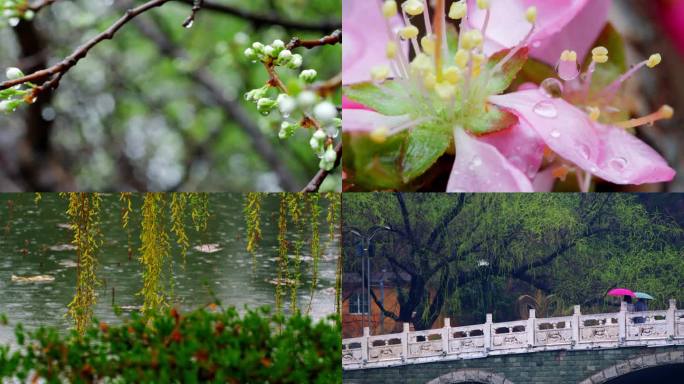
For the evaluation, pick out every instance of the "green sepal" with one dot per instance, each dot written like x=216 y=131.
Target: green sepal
x=426 y=144
x=388 y=98
x=501 y=80
x=370 y=165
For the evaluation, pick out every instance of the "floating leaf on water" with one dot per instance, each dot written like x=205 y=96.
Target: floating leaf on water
x=208 y=248
x=33 y=279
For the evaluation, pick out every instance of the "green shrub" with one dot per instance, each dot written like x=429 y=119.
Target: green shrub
x=200 y=346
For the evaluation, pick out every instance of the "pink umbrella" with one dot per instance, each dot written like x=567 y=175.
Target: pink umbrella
x=621 y=292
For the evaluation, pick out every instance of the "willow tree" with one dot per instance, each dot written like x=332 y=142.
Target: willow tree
x=299 y=217
x=441 y=247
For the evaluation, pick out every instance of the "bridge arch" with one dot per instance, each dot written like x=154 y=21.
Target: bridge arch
x=635 y=364
x=470 y=376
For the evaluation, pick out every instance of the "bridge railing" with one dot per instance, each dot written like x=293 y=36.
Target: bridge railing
x=578 y=331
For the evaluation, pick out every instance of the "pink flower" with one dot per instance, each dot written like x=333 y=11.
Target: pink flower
x=561 y=25
x=671 y=12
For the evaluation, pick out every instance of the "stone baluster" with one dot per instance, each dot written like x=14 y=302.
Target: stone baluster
x=622 y=323
x=671 y=319
x=488 y=334
x=445 y=335
x=530 y=328
x=405 y=341
x=576 y=313
x=365 y=345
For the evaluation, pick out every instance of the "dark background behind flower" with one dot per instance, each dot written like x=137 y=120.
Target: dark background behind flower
x=131 y=115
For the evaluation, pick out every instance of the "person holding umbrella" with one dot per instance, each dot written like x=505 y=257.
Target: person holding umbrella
x=626 y=294
x=641 y=305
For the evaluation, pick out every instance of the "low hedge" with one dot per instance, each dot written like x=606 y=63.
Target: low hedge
x=201 y=346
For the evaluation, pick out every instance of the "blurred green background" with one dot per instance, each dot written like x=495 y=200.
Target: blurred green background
x=133 y=114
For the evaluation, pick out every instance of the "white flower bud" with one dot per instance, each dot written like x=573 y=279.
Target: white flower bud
x=308 y=75
x=269 y=51
x=286 y=104
x=306 y=99
x=296 y=61
x=286 y=130
x=319 y=135
x=250 y=54
x=14 y=73
x=278 y=44
x=258 y=47
x=325 y=112
x=4 y=106
x=330 y=155
x=284 y=57
x=265 y=105
x=315 y=144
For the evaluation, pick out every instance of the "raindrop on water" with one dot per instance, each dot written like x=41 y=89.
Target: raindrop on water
x=545 y=109
x=551 y=87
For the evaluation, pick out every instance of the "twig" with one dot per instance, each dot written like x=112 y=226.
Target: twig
x=40 y=5
x=331 y=39
x=318 y=179
x=327 y=87
x=267 y=19
x=196 y=6
x=58 y=70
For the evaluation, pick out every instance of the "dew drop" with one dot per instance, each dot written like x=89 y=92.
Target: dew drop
x=551 y=87
x=619 y=163
x=474 y=163
x=555 y=134
x=585 y=151
x=189 y=25
x=536 y=44
x=545 y=109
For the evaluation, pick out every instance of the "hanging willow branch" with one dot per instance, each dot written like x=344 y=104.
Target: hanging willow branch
x=315 y=244
x=252 y=212
x=179 y=201
x=83 y=211
x=154 y=251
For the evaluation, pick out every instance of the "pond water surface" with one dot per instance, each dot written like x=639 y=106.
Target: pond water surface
x=29 y=232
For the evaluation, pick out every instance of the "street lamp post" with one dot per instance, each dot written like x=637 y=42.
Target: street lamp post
x=365 y=240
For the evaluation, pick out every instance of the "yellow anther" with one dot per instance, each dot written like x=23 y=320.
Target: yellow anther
x=654 y=60
x=380 y=73
x=478 y=59
x=598 y=56
x=569 y=56
x=462 y=57
x=445 y=90
x=483 y=4
x=379 y=134
x=391 y=50
x=594 y=113
x=389 y=9
x=408 y=32
x=413 y=7
x=531 y=15
x=599 y=51
x=421 y=64
x=429 y=80
x=666 y=112
x=471 y=39
x=452 y=75
x=428 y=44
x=458 y=10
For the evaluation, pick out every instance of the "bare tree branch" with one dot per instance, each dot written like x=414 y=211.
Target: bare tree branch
x=268 y=19
x=196 y=6
x=331 y=39
x=58 y=70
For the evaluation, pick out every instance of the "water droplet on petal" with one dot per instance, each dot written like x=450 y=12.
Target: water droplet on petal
x=551 y=87
x=619 y=163
x=536 y=44
x=545 y=109
x=555 y=134
x=593 y=170
x=585 y=151
x=474 y=163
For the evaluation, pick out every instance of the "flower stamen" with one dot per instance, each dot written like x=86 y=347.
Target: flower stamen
x=664 y=113
x=652 y=61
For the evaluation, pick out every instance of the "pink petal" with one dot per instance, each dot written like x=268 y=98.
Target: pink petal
x=606 y=151
x=365 y=121
x=544 y=181
x=520 y=144
x=351 y=104
x=480 y=167
x=364 y=32
x=671 y=14
x=561 y=25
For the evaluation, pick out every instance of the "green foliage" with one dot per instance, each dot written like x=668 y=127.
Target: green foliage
x=170 y=347
x=154 y=251
x=496 y=247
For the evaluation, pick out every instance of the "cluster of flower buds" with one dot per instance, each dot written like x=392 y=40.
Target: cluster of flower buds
x=302 y=108
x=15 y=10
x=275 y=53
x=11 y=98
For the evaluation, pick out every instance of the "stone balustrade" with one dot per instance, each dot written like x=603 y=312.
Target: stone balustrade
x=576 y=332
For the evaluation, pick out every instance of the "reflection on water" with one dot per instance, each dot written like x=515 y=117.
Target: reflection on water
x=27 y=247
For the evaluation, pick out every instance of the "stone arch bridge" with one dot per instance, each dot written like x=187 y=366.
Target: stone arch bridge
x=587 y=349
